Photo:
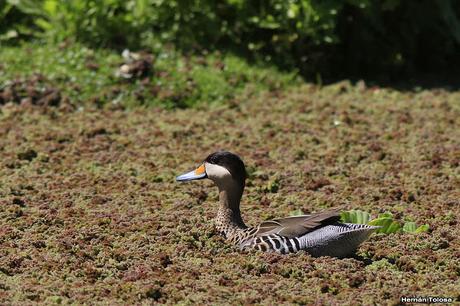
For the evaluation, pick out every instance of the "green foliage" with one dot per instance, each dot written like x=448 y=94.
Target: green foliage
x=411 y=227
x=386 y=222
x=176 y=81
x=355 y=216
x=354 y=36
x=15 y=23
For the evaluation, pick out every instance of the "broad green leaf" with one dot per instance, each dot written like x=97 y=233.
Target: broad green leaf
x=385 y=220
x=362 y=217
x=387 y=225
x=394 y=227
x=345 y=217
x=409 y=227
x=355 y=216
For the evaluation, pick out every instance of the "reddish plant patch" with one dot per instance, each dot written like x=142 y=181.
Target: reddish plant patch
x=90 y=211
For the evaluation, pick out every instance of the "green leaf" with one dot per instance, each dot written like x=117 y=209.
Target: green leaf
x=409 y=227
x=28 y=6
x=43 y=24
x=50 y=7
x=355 y=216
x=386 y=214
x=362 y=217
x=387 y=224
x=394 y=227
x=385 y=220
x=345 y=217
x=6 y=9
x=422 y=228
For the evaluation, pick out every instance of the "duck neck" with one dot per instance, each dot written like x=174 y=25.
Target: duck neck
x=228 y=220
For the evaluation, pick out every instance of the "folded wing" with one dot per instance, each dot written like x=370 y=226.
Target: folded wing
x=297 y=226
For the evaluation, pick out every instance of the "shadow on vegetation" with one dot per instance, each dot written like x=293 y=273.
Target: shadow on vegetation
x=404 y=79
x=407 y=83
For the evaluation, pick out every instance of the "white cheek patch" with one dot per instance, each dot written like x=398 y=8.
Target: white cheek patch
x=216 y=171
x=222 y=178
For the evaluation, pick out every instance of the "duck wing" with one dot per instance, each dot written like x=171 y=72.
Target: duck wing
x=296 y=226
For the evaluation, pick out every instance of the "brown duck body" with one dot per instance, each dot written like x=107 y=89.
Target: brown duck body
x=320 y=234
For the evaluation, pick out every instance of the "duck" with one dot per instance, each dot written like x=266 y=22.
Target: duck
x=319 y=234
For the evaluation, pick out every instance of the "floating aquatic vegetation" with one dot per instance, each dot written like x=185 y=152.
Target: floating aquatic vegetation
x=97 y=218
x=386 y=221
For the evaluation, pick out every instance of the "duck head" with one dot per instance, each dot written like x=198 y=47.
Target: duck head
x=225 y=169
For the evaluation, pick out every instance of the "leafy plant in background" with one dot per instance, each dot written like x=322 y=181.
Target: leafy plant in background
x=14 y=22
x=385 y=220
x=330 y=37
